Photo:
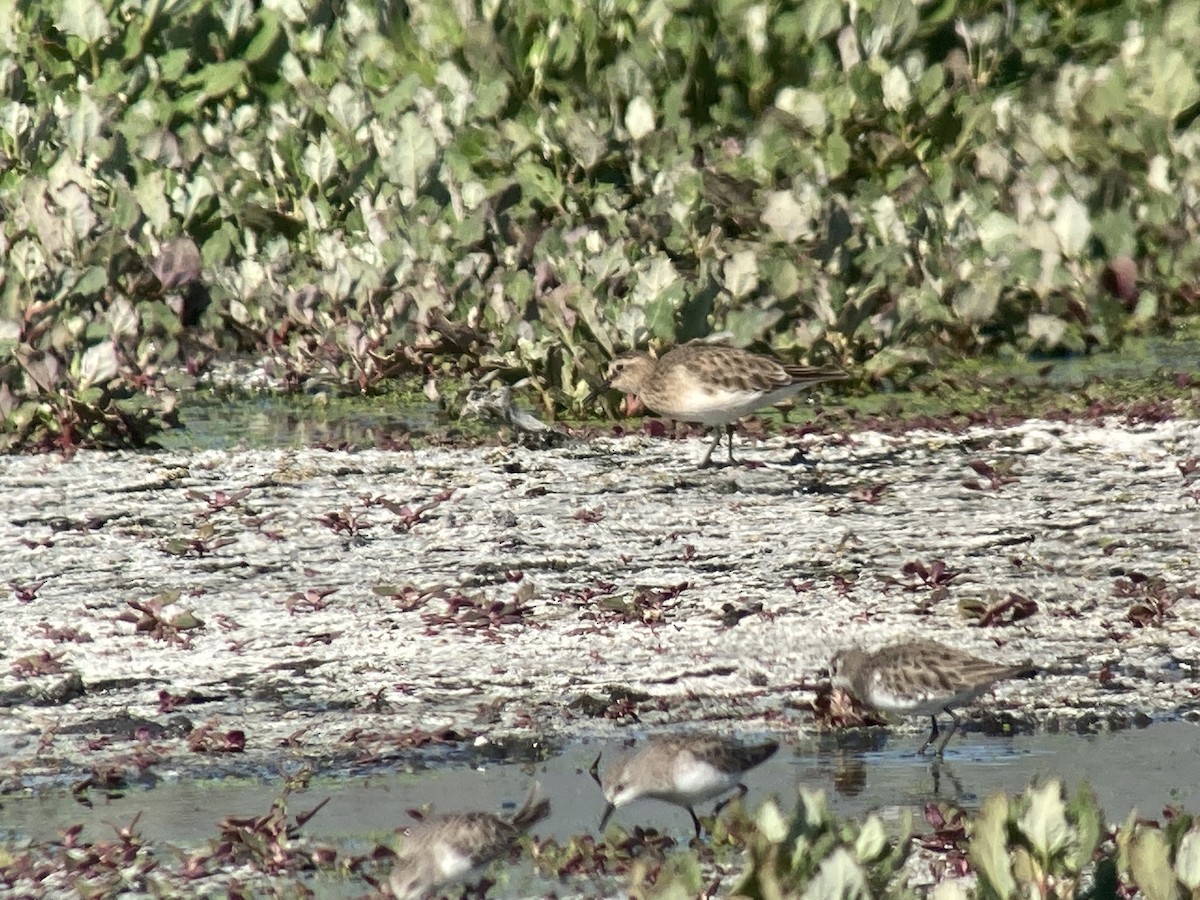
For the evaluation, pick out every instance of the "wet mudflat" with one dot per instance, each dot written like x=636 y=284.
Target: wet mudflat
x=338 y=607
x=1145 y=770
x=413 y=617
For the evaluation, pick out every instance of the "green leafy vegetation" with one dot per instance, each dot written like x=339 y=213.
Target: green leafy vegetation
x=440 y=191
x=1041 y=843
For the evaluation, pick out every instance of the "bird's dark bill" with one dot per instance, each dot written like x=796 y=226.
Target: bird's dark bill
x=608 y=811
x=596 y=393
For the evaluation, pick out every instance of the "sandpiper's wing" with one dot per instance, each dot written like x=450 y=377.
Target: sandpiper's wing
x=741 y=370
x=729 y=756
x=934 y=668
x=982 y=671
x=481 y=836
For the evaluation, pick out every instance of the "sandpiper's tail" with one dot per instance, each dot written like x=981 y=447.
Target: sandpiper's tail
x=1024 y=669
x=755 y=754
x=535 y=808
x=803 y=376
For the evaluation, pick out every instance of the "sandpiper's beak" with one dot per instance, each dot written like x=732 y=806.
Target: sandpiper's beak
x=608 y=811
x=596 y=392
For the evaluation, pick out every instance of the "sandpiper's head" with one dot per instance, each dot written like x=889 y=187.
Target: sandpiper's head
x=619 y=786
x=843 y=666
x=628 y=373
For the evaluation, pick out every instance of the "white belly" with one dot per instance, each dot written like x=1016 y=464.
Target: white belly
x=883 y=698
x=716 y=406
x=696 y=781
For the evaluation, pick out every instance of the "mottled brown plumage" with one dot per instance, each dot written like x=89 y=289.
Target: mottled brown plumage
x=712 y=384
x=920 y=678
x=454 y=847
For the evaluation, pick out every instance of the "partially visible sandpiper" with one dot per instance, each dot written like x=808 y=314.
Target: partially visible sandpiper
x=920 y=678
x=683 y=770
x=456 y=847
x=712 y=384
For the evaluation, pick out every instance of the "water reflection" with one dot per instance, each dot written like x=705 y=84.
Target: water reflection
x=860 y=771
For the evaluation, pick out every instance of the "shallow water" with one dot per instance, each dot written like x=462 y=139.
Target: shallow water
x=277 y=421
x=1146 y=770
x=273 y=421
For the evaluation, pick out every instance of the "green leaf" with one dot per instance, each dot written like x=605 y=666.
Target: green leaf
x=1084 y=813
x=837 y=154
x=186 y=621
x=741 y=273
x=584 y=141
x=771 y=823
x=1048 y=331
x=99 y=365
x=840 y=877
x=1044 y=822
x=1072 y=226
x=91 y=282
x=750 y=323
x=807 y=106
x=320 y=161
x=151 y=194
x=639 y=118
x=539 y=183
x=269 y=30
x=655 y=278
x=1025 y=868
x=1150 y=865
x=1117 y=231
x=871 y=840
x=660 y=317
x=889 y=359
x=1146 y=308
x=1170 y=84
x=173 y=64
x=1187 y=860
x=84 y=125
x=347 y=106
x=412 y=156
x=820 y=18
x=895 y=21
x=996 y=232
x=788 y=219
x=85 y=19
x=216 y=80
x=988 y=849
x=897 y=92
x=977 y=300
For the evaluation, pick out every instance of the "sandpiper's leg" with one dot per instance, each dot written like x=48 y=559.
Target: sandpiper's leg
x=938 y=766
x=707 y=461
x=933 y=736
x=695 y=821
x=949 y=734
x=742 y=791
x=729 y=432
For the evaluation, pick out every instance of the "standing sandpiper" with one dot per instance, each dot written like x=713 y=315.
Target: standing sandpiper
x=712 y=384
x=683 y=770
x=920 y=678
x=456 y=847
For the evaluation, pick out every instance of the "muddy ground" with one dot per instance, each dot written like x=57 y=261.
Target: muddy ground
x=343 y=609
